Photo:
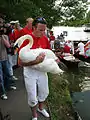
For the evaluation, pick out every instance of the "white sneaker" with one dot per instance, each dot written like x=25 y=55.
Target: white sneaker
x=4 y=97
x=13 y=87
x=15 y=78
x=43 y=112
x=34 y=118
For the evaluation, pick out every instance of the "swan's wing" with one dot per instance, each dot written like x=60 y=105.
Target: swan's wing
x=20 y=40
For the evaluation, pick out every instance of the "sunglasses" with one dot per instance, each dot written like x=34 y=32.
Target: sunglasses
x=40 y=19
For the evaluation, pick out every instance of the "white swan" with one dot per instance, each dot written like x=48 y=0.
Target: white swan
x=26 y=55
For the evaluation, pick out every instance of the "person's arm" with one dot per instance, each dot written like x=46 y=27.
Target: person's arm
x=6 y=41
x=38 y=60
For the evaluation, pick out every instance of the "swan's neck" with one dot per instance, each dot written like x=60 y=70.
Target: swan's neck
x=27 y=47
x=23 y=38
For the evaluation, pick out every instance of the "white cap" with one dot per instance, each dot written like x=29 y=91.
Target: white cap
x=17 y=21
x=13 y=22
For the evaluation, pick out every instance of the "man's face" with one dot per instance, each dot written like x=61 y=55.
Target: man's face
x=30 y=23
x=39 y=30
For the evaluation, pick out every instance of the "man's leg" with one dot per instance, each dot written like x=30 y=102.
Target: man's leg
x=31 y=87
x=42 y=110
x=10 y=64
x=34 y=111
x=2 y=88
x=41 y=105
x=43 y=92
x=9 y=82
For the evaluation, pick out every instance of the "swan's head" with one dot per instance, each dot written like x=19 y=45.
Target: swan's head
x=20 y=40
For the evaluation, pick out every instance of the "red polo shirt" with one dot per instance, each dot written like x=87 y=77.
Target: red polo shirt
x=52 y=38
x=66 y=49
x=38 y=43
x=14 y=35
x=25 y=31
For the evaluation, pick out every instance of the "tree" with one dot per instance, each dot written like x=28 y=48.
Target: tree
x=88 y=17
x=72 y=11
x=67 y=12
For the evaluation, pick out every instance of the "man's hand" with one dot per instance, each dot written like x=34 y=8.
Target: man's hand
x=40 y=58
x=57 y=61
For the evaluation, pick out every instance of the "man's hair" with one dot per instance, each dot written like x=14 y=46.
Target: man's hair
x=39 y=20
x=29 y=19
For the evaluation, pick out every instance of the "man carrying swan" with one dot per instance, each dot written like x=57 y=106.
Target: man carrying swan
x=36 y=82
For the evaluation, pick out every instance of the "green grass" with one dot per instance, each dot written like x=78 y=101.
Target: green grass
x=59 y=99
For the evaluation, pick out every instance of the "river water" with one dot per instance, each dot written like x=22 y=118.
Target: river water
x=79 y=79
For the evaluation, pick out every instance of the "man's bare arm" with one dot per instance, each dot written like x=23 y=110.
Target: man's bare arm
x=38 y=60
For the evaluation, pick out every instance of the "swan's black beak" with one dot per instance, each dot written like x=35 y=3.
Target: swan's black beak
x=16 y=46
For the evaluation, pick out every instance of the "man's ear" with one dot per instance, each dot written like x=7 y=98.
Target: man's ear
x=35 y=27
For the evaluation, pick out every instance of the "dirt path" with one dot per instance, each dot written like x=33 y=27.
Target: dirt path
x=17 y=105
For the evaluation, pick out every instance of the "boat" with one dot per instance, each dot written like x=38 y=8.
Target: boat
x=82 y=58
x=86 y=56
x=67 y=59
x=70 y=61
x=87 y=28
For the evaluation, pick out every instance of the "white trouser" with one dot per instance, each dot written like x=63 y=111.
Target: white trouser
x=36 y=83
x=52 y=44
x=14 y=61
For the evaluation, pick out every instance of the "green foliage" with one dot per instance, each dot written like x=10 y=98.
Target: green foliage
x=88 y=17
x=67 y=12
x=73 y=11
x=59 y=98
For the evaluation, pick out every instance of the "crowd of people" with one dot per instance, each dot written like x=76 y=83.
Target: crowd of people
x=7 y=79
x=36 y=82
x=67 y=46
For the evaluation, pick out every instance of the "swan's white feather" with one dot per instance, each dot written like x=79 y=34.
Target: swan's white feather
x=26 y=55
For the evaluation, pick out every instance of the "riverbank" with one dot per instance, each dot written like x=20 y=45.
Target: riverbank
x=59 y=99
x=58 y=103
